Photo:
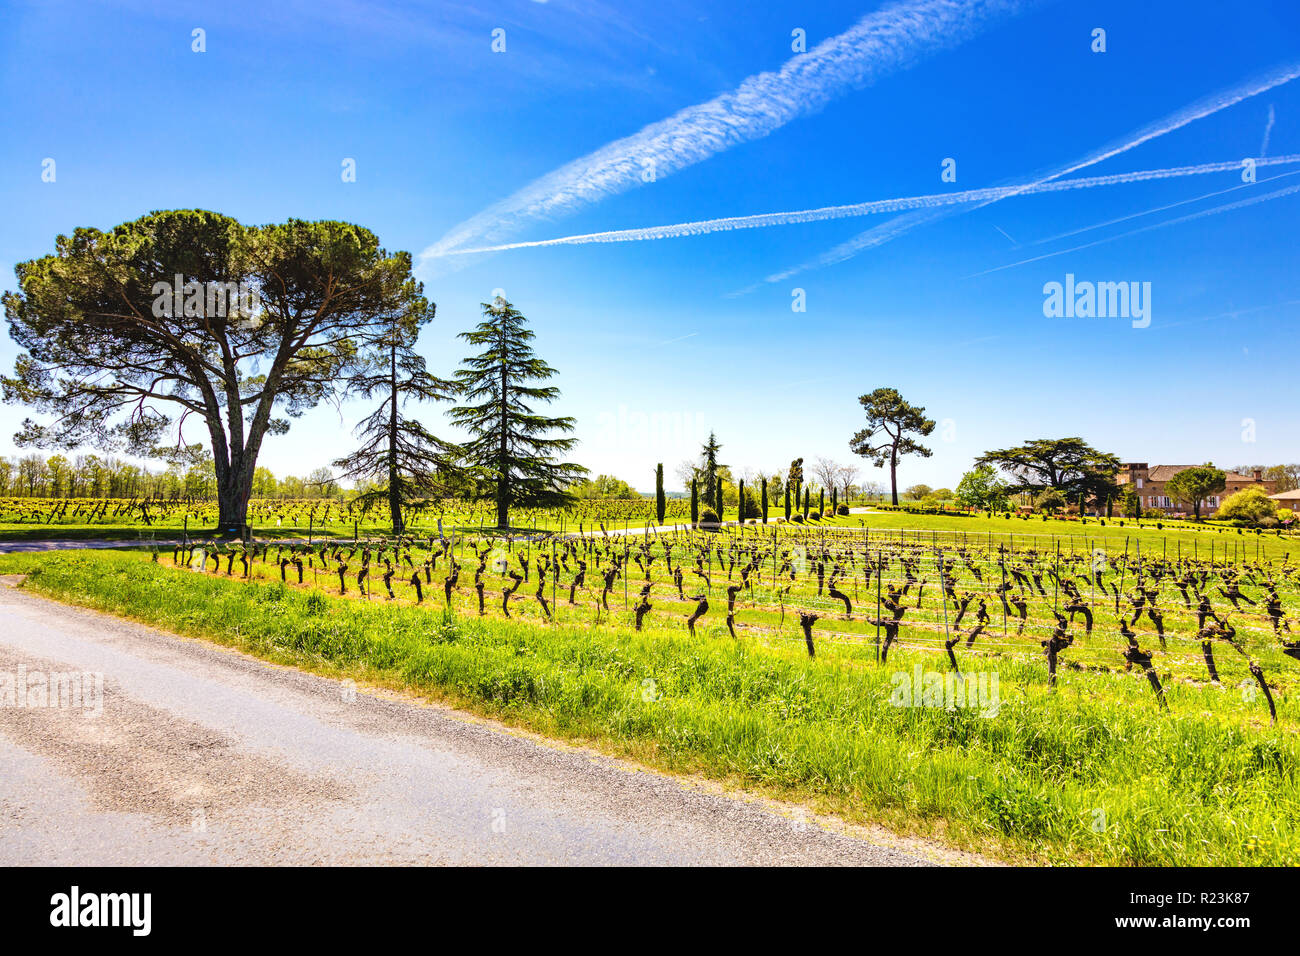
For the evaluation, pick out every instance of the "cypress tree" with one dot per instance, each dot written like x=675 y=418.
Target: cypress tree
x=807 y=502
x=835 y=501
x=787 y=502
x=709 y=466
x=821 y=502
x=763 y=488
x=695 y=503
x=661 y=502
x=740 y=503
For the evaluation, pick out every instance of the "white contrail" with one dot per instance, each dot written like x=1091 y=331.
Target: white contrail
x=933 y=200
x=1147 y=212
x=1199 y=110
x=1268 y=131
x=890 y=39
x=1227 y=207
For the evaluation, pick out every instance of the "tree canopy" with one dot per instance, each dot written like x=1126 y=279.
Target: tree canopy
x=513 y=447
x=891 y=423
x=1251 y=505
x=128 y=333
x=1194 y=485
x=1068 y=465
x=405 y=462
x=981 y=488
x=603 y=486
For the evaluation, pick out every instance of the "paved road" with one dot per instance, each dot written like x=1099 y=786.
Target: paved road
x=13 y=547
x=203 y=756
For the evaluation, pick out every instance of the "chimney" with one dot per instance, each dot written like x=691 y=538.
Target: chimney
x=1259 y=474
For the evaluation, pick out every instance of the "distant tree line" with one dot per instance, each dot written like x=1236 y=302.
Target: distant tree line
x=95 y=476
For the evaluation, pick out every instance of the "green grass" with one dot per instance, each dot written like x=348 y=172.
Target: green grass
x=1174 y=538
x=1092 y=773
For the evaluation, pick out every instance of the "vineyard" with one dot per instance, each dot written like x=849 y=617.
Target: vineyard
x=1002 y=682
x=965 y=601
x=273 y=517
x=1006 y=689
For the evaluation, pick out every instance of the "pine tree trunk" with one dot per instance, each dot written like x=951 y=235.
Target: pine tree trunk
x=893 y=474
x=232 y=503
x=394 y=485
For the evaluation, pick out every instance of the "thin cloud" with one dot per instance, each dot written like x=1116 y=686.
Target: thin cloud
x=1227 y=207
x=873 y=207
x=1189 y=114
x=881 y=43
x=1148 y=212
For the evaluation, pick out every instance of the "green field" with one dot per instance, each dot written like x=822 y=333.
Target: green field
x=1090 y=771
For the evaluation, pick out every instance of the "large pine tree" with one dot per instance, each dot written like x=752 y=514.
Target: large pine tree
x=406 y=463
x=512 y=447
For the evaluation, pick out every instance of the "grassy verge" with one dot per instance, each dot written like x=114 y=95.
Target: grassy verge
x=1091 y=773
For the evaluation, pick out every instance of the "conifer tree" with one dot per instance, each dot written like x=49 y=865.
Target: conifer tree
x=709 y=472
x=398 y=454
x=661 y=502
x=512 y=449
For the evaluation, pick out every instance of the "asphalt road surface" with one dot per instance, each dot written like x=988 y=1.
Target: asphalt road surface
x=198 y=755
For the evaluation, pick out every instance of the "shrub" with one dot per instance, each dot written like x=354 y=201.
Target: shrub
x=843 y=511
x=797 y=518
x=815 y=516
x=1248 y=506
x=708 y=515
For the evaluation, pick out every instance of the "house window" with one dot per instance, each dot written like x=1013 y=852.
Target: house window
x=1139 y=482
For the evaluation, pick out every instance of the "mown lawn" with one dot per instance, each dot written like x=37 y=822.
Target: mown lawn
x=1092 y=773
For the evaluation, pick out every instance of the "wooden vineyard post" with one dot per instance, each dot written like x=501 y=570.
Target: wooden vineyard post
x=1003 y=564
x=1122 y=569
x=1056 y=583
x=947 y=637
x=1138 y=547
x=879 y=572
x=774 y=557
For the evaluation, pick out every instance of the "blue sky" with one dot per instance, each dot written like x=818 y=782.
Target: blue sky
x=688 y=333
